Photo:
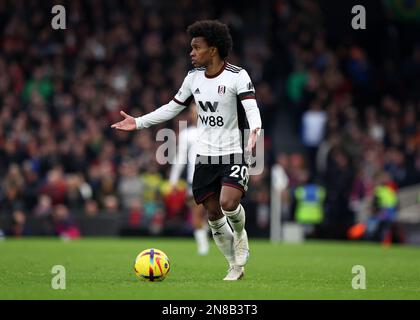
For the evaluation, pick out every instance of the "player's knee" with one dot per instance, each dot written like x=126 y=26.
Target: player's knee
x=214 y=215
x=228 y=204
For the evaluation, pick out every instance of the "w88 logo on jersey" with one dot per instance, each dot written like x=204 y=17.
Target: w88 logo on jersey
x=212 y=121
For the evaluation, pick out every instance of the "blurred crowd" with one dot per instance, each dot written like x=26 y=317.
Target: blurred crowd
x=355 y=106
x=60 y=90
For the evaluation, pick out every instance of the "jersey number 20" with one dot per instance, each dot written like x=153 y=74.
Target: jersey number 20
x=243 y=172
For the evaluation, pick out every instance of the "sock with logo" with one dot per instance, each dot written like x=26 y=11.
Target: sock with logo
x=236 y=218
x=223 y=236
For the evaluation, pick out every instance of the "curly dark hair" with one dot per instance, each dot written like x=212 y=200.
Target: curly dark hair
x=215 y=33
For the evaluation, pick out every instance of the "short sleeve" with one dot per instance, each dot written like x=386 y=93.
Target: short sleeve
x=244 y=87
x=184 y=95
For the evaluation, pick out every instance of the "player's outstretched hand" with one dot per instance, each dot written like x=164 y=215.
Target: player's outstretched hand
x=128 y=124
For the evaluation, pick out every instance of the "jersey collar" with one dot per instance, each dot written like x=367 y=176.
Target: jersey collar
x=218 y=73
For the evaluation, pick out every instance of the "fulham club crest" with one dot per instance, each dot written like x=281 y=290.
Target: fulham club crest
x=221 y=90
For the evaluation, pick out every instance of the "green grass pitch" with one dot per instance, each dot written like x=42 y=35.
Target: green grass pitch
x=102 y=268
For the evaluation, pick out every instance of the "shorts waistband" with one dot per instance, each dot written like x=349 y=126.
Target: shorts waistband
x=225 y=159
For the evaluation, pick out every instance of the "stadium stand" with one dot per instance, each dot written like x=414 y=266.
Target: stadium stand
x=336 y=106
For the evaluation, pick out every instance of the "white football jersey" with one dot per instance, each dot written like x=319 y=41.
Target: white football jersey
x=221 y=116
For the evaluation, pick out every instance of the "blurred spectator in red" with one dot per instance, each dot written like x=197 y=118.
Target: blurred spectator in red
x=63 y=223
x=175 y=206
x=55 y=186
x=135 y=214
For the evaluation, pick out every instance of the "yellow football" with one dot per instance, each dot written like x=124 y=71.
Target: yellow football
x=152 y=265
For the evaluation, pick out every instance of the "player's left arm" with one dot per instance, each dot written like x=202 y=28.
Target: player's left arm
x=246 y=93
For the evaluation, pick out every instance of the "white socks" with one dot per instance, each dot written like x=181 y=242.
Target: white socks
x=223 y=236
x=200 y=236
x=236 y=218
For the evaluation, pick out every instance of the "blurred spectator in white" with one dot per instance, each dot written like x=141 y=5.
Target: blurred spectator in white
x=313 y=131
x=130 y=187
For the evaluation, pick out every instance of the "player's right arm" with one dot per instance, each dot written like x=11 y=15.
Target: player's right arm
x=166 y=112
